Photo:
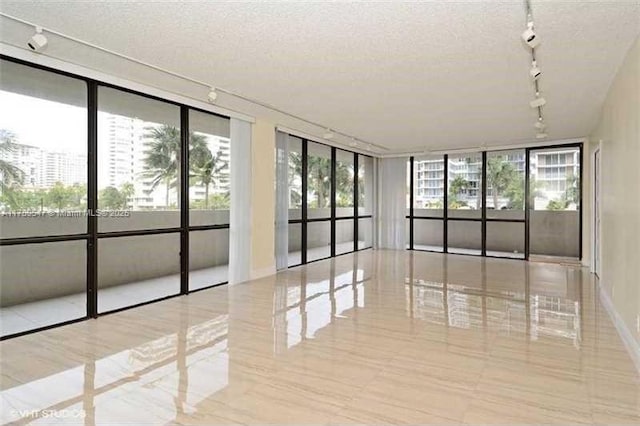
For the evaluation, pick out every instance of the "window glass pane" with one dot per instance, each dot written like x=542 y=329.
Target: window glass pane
x=555 y=201
x=428 y=186
x=365 y=233
x=344 y=183
x=43 y=152
x=555 y=179
x=365 y=185
x=318 y=240
x=295 y=244
x=427 y=234
x=208 y=258
x=344 y=236
x=209 y=169
x=505 y=184
x=318 y=180
x=407 y=233
x=138 y=161
x=42 y=284
x=295 y=178
x=133 y=270
x=464 y=237
x=505 y=239
x=465 y=185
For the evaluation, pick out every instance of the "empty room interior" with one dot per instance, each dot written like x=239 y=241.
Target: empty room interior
x=342 y=212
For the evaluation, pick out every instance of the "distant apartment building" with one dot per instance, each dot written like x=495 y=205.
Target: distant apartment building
x=42 y=168
x=552 y=171
x=126 y=152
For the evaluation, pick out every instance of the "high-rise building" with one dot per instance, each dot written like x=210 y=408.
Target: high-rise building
x=42 y=168
x=552 y=173
x=125 y=148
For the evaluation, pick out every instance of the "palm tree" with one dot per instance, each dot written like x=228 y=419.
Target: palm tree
x=127 y=190
x=11 y=176
x=206 y=168
x=500 y=177
x=319 y=170
x=456 y=187
x=162 y=157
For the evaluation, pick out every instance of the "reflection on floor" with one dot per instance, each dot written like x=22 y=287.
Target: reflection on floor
x=373 y=337
x=315 y=253
x=28 y=316
x=455 y=250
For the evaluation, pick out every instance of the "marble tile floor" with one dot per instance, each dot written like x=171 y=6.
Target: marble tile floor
x=376 y=337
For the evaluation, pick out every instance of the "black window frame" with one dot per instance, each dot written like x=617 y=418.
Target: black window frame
x=93 y=236
x=304 y=221
x=484 y=219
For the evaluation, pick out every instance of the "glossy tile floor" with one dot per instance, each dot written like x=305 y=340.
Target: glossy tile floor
x=375 y=337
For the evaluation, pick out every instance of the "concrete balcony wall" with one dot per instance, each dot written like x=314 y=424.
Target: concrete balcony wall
x=33 y=272
x=318 y=235
x=552 y=233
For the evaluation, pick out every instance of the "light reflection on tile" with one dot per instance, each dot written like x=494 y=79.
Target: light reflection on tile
x=374 y=337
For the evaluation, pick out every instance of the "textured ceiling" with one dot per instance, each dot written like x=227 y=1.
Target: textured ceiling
x=408 y=76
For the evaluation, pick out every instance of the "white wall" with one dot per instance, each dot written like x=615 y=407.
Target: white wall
x=263 y=261
x=619 y=133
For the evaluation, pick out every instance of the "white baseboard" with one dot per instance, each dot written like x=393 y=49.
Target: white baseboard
x=623 y=330
x=263 y=272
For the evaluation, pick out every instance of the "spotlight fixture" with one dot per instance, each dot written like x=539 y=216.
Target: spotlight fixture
x=540 y=125
x=369 y=147
x=535 y=72
x=353 y=142
x=538 y=101
x=213 y=95
x=530 y=37
x=328 y=134
x=541 y=135
x=38 y=41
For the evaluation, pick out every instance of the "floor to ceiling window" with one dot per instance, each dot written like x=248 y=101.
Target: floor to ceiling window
x=505 y=227
x=209 y=199
x=365 y=197
x=139 y=151
x=555 y=202
x=328 y=193
x=108 y=198
x=491 y=210
x=43 y=172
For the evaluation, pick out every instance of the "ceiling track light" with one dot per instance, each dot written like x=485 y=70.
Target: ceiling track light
x=328 y=134
x=530 y=37
x=38 y=41
x=535 y=71
x=213 y=95
x=540 y=125
x=538 y=101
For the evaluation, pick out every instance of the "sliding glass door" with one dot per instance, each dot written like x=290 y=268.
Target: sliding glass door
x=505 y=203
x=498 y=203
x=329 y=195
x=554 y=208
x=112 y=199
x=464 y=203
